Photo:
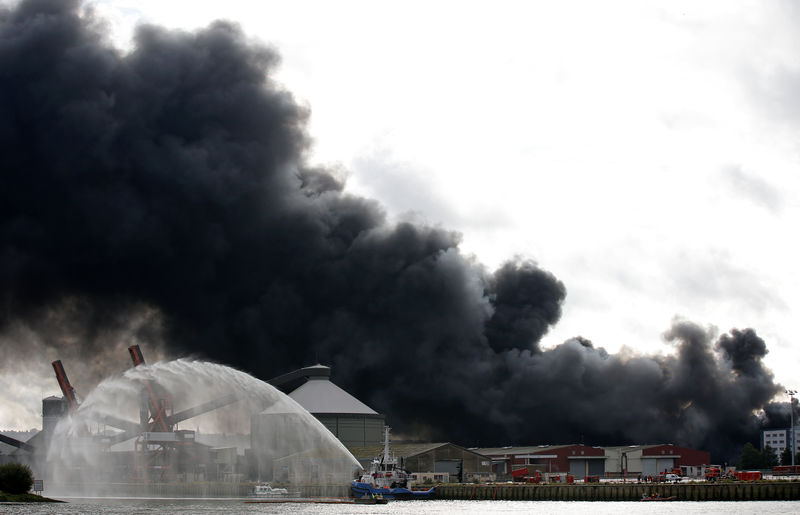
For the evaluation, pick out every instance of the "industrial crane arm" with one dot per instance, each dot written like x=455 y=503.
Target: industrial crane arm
x=202 y=408
x=110 y=420
x=16 y=443
x=63 y=383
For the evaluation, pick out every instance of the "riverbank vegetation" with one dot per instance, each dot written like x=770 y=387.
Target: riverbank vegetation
x=16 y=481
x=28 y=497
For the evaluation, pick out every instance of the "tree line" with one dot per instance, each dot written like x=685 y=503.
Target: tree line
x=752 y=458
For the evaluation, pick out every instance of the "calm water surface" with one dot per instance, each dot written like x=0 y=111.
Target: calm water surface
x=76 y=506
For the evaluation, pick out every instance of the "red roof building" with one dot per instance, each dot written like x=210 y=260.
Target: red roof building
x=579 y=460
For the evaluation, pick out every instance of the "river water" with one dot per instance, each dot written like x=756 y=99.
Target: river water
x=127 y=506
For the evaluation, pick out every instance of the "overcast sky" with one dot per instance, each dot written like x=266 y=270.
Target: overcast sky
x=644 y=152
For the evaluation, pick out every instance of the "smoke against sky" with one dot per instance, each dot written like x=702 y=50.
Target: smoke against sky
x=165 y=196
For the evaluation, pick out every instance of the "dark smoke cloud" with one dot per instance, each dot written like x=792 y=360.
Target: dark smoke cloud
x=174 y=180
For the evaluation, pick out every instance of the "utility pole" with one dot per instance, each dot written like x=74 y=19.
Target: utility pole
x=791 y=394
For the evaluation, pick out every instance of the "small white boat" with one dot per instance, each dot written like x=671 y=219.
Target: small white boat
x=265 y=491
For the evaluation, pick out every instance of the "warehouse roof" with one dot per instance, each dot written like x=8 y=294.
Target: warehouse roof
x=403 y=450
x=529 y=449
x=319 y=395
x=637 y=447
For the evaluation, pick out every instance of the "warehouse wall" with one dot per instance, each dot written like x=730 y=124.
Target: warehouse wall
x=447 y=458
x=354 y=429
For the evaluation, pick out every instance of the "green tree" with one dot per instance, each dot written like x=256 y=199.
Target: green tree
x=769 y=458
x=15 y=478
x=786 y=456
x=751 y=457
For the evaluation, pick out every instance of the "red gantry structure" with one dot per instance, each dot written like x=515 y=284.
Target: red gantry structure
x=160 y=449
x=159 y=445
x=66 y=389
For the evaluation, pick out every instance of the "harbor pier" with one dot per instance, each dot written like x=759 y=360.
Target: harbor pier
x=742 y=491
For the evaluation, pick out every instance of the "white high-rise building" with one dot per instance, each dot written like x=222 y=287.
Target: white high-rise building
x=779 y=439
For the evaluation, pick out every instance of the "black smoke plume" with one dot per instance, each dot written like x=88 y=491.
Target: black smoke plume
x=171 y=185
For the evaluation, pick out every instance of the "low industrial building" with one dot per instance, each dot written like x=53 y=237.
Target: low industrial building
x=578 y=460
x=433 y=461
x=28 y=448
x=651 y=460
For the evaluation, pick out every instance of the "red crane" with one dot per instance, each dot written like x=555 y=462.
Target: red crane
x=155 y=433
x=66 y=388
x=156 y=407
x=157 y=439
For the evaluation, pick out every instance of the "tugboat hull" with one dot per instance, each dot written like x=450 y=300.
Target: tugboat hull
x=366 y=490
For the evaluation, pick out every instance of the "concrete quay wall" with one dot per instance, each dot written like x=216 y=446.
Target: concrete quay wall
x=755 y=491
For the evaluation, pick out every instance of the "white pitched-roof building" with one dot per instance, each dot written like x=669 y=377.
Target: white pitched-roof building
x=349 y=419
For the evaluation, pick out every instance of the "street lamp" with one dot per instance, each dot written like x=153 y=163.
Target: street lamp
x=791 y=394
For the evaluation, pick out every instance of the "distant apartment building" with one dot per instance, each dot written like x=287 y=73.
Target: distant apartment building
x=779 y=439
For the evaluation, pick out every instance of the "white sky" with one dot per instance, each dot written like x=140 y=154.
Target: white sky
x=644 y=152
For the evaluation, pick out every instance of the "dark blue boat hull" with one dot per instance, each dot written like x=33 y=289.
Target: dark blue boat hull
x=366 y=490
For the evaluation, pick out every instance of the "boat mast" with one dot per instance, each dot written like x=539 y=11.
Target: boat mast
x=386 y=444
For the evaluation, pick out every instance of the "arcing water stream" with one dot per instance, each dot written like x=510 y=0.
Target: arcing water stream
x=189 y=421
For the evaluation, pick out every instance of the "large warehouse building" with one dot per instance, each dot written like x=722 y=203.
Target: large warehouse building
x=361 y=430
x=581 y=460
x=578 y=460
x=349 y=419
x=651 y=460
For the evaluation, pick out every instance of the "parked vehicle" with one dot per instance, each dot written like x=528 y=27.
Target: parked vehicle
x=747 y=475
x=713 y=473
x=786 y=470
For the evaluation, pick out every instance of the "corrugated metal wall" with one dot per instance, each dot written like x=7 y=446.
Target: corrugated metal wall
x=354 y=430
x=654 y=466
